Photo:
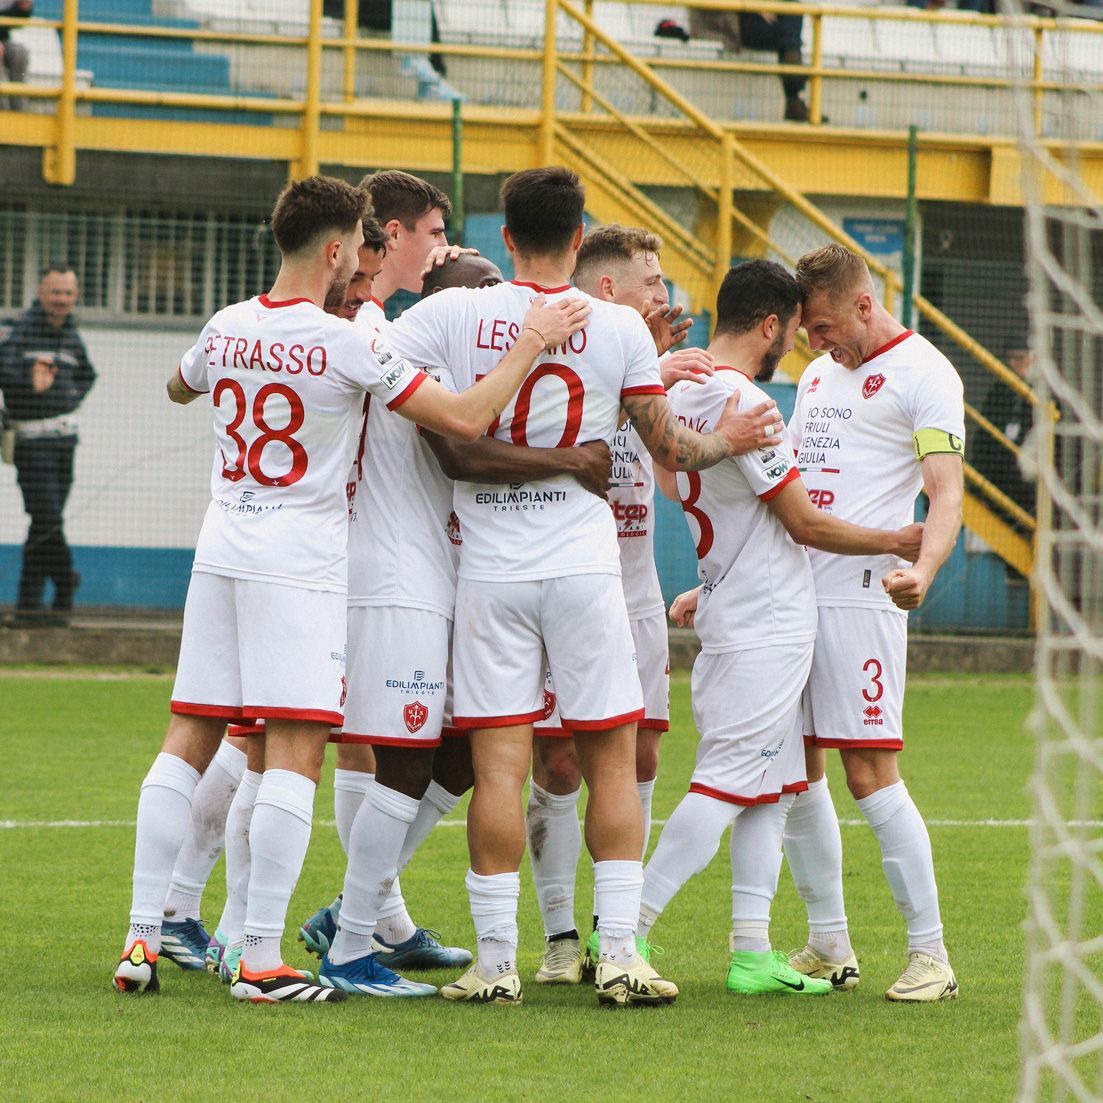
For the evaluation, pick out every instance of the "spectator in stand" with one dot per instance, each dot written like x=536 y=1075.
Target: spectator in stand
x=760 y=31
x=13 y=55
x=45 y=374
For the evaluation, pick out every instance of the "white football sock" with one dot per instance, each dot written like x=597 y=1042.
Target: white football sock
x=349 y=787
x=908 y=864
x=555 y=844
x=238 y=819
x=756 y=864
x=494 y=901
x=617 y=887
x=646 y=790
x=374 y=846
x=206 y=832
x=394 y=924
x=814 y=850
x=434 y=806
x=687 y=844
x=278 y=838
x=164 y=810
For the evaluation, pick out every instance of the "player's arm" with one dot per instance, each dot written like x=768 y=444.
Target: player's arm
x=466 y=415
x=179 y=391
x=679 y=448
x=808 y=525
x=488 y=460
x=943 y=480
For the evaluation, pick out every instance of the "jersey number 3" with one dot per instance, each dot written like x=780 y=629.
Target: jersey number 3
x=691 y=509
x=249 y=455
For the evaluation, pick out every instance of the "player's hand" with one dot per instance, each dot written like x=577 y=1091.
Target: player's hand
x=666 y=330
x=684 y=608
x=909 y=541
x=555 y=323
x=439 y=254
x=695 y=364
x=43 y=373
x=594 y=466
x=757 y=428
x=907 y=587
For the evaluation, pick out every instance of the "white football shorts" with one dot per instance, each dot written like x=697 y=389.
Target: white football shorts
x=260 y=651
x=747 y=707
x=653 y=662
x=503 y=632
x=856 y=689
x=398 y=676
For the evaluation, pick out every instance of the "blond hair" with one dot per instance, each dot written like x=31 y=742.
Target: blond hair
x=612 y=244
x=832 y=269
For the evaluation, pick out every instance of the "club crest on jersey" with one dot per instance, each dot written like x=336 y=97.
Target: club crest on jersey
x=415 y=714
x=872 y=385
x=453 y=529
x=549 y=704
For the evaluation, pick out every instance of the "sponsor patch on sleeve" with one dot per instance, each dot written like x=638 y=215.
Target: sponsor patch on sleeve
x=393 y=376
x=931 y=442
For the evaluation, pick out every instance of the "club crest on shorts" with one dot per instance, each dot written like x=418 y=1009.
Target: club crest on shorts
x=415 y=714
x=872 y=385
x=549 y=704
x=344 y=690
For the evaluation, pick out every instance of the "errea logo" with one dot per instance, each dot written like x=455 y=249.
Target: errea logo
x=872 y=714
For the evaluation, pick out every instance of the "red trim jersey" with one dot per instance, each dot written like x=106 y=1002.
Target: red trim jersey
x=545 y=528
x=852 y=434
x=756 y=583
x=403 y=550
x=287 y=384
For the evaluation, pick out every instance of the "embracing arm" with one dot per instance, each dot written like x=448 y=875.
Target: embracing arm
x=488 y=460
x=943 y=479
x=808 y=525
x=678 y=448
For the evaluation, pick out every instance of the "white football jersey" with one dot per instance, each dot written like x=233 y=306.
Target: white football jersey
x=851 y=432
x=632 y=499
x=402 y=549
x=287 y=383
x=545 y=528
x=756 y=583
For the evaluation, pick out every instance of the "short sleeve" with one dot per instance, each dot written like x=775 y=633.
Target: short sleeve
x=699 y=405
x=420 y=335
x=767 y=470
x=369 y=361
x=641 y=375
x=938 y=399
x=194 y=362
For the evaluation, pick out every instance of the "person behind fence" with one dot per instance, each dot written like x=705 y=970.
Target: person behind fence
x=45 y=374
x=14 y=57
x=759 y=31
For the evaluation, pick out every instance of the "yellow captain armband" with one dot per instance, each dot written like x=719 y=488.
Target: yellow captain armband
x=931 y=442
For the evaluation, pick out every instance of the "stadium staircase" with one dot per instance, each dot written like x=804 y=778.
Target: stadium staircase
x=703 y=230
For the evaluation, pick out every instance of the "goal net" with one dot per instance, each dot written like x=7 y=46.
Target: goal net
x=1062 y=1029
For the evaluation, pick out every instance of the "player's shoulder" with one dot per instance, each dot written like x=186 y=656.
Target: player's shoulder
x=689 y=394
x=815 y=371
x=923 y=361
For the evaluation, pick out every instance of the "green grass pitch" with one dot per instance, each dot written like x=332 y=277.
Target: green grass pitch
x=78 y=744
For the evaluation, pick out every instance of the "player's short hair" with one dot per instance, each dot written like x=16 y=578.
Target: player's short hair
x=832 y=269
x=751 y=292
x=610 y=245
x=400 y=195
x=544 y=209
x=309 y=210
x=375 y=237
x=62 y=267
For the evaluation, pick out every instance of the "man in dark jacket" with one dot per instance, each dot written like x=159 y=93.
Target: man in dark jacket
x=45 y=374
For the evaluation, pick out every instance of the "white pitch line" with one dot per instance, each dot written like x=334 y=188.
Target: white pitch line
x=25 y=825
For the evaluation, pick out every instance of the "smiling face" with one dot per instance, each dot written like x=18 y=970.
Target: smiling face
x=639 y=280
x=58 y=295
x=359 y=288
x=838 y=324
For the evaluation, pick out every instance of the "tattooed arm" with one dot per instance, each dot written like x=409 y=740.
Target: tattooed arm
x=676 y=447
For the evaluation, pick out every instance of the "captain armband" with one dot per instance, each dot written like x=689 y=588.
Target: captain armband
x=931 y=442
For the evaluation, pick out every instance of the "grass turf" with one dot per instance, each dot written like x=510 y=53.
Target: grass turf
x=78 y=747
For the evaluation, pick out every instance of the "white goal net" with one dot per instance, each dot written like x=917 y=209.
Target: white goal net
x=1062 y=1029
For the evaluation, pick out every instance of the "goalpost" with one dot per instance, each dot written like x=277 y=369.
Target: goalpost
x=1062 y=1024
